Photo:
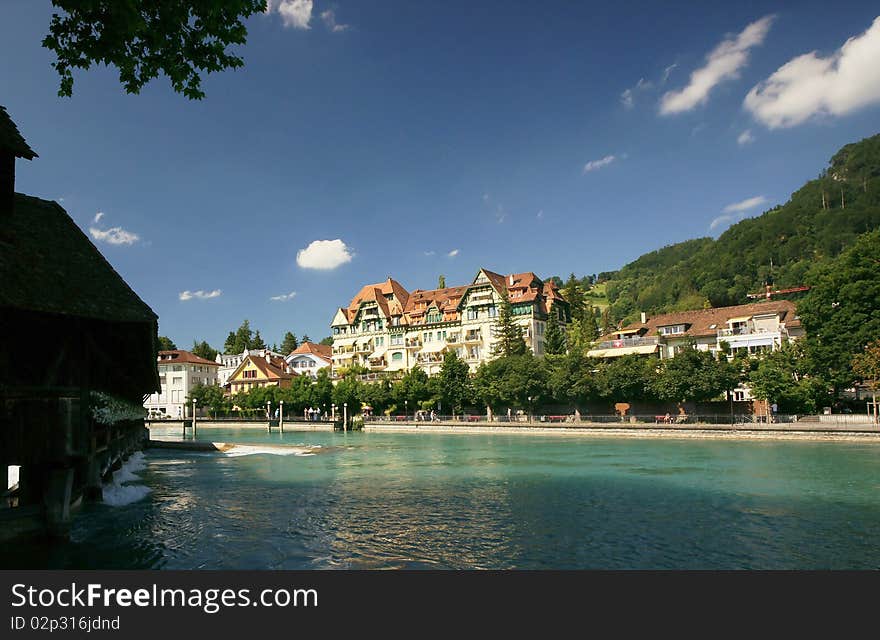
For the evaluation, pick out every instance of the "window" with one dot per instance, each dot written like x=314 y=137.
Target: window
x=493 y=311
x=471 y=314
x=672 y=330
x=397 y=356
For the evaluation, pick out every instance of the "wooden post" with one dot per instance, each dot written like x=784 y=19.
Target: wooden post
x=194 y=419
x=56 y=501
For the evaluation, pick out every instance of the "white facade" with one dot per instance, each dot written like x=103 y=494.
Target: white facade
x=177 y=376
x=306 y=363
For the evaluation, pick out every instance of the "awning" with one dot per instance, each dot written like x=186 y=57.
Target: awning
x=741 y=319
x=342 y=356
x=344 y=342
x=627 y=331
x=378 y=353
x=396 y=365
x=622 y=351
x=433 y=347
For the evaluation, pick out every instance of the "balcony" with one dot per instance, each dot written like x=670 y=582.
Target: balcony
x=364 y=348
x=413 y=344
x=455 y=338
x=378 y=363
x=473 y=337
x=627 y=342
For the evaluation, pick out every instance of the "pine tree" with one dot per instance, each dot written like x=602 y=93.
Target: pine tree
x=229 y=345
x=554 y=338
x=508 y=334
x=441 y=282
x=306 y=338
x=607 y=323
x=204 y=350
x=590 y=328
x=257 y=342
x=289 y=343
x=574 y=294
x=455 y=388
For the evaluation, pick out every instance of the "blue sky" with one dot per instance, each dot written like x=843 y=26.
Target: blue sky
x=545 y=137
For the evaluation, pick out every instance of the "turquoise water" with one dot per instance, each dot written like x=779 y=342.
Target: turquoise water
x=370 y=500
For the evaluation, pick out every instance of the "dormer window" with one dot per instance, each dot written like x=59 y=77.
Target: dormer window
x=671 y=330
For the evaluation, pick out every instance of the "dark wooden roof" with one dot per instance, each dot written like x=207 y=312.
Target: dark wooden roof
x=11 y=139
x=47 y=264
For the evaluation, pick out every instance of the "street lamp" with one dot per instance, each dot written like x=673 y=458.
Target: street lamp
x=345 y=416
x=194 y=418
x=406 y=410
x=281 y=416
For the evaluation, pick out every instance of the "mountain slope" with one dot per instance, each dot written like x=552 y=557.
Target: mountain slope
x=820 y=219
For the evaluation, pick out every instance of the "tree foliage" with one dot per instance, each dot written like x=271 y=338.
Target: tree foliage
x=142 y=38
x=841 y=313
x=508 y=334
x=204 y=350
x=166 y=344
x=289 y=343
x=454 y=383
x=554 y=337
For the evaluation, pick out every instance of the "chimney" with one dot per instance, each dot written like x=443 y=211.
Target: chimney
x=12 y=146
x=644 y=318
x=510 y=279
x=268 y=358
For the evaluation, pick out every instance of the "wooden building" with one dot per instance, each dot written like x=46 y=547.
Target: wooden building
x=73 y=335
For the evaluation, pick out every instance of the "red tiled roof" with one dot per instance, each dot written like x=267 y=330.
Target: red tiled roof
x=321 y=350
x=274 y=369
x=179 y=356
x=706 y=322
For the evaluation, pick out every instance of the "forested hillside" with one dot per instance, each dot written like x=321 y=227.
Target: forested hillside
x=820 y=219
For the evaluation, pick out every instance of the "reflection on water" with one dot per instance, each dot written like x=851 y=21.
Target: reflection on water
x=448 y=501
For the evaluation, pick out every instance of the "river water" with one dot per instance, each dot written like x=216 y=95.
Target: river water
x=372 y=500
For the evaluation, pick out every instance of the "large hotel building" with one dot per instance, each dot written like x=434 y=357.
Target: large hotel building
x=385 y=328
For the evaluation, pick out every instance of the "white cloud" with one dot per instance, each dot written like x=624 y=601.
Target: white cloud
x=430 y=253
x=199 y=295
x=667 y=71
x=116 y=235
x=593 y=165
x=98 y=217
x=452 y=253
x=294 y=13
x=720 y=220
x=284 y=297
x=723 y=63
x=323 y=254
x=329 y=18
x=745 y=205
x=745 y=138
x=540 y=215
x=627 y=98
x=809 y=86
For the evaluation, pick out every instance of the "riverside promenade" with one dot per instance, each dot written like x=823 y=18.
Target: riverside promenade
x=848 y=431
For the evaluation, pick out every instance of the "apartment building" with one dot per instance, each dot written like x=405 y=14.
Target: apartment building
x=309 y=358
x=743 y=329
x=179 y=372
x=386 y=328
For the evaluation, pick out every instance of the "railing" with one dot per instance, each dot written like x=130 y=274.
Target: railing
x=638 y=421
x=745 y=331
x=473 y=337
x=627 y=342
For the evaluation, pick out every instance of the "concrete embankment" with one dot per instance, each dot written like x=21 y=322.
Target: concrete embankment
x=205 y=423
x=794 y=431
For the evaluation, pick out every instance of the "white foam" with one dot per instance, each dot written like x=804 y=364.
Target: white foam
x=247 y=450
x=121 y=490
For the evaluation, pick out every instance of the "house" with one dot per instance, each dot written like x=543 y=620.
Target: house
x=388 y=329
x=743 y=329
x=179 y=372
x=229 y=362
x=260 y=371
x=309 y=358
x=75 y=336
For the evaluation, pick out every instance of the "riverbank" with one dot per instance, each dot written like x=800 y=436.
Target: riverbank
x=827 y=432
